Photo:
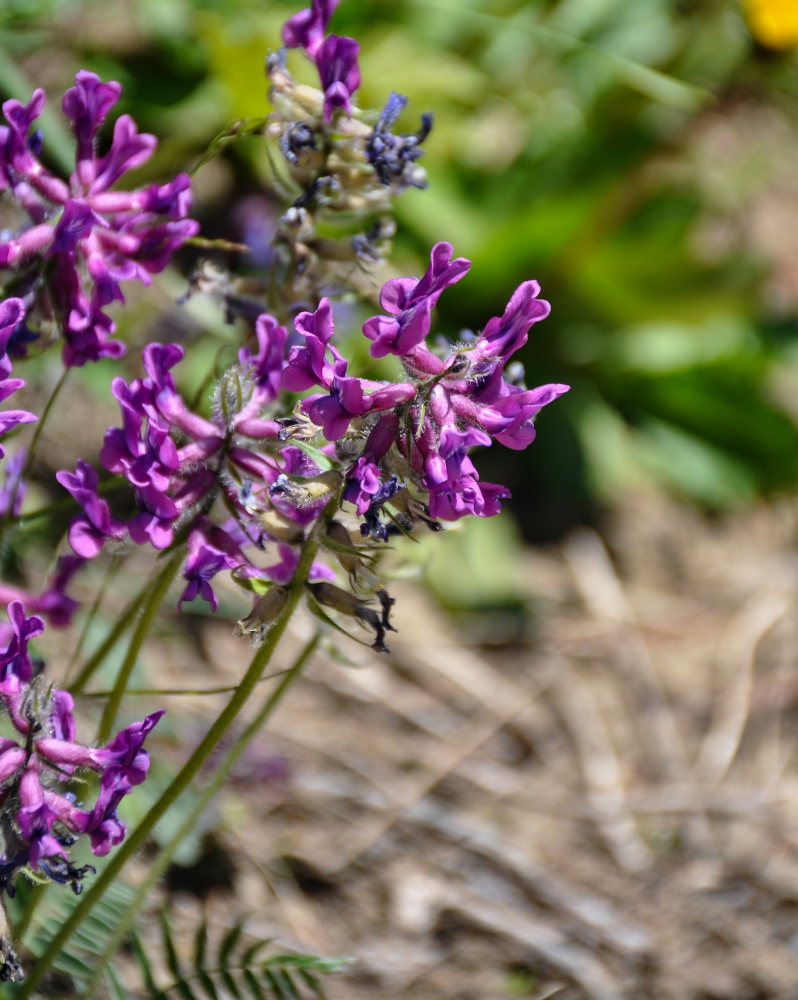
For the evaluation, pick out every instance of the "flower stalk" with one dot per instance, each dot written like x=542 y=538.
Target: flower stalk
x=184 y=777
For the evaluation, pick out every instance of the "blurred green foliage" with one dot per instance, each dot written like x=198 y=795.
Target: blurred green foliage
x=635 y=156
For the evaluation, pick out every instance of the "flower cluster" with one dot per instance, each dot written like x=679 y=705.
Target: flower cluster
x=399 y=449
x=179 y=463
x=82 y=238
x=343 y=165
x=41 y=816
x=421 y=430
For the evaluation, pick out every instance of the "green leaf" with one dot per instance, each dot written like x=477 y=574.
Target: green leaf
x=288 y=984
x=231 y=984
x=255 y=987
x=207 y=984
x=200 y=944
x=172 y=961
x=323 y=462
x=229 y=942
x=274 y=984
x=312 y=982
x=143 y=963
x=116 y=989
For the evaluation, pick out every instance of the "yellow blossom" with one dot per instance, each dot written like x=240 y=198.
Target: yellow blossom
x=774 y=23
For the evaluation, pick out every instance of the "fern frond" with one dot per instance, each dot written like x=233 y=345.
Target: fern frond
x=238 y=969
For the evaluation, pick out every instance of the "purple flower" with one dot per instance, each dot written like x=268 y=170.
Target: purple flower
x=504 y=336
x=353 y=397
x=88 y=534
x=393 y=156
x=306 y=28
x=35 y=818
x=53 y=603
x=210 y=550
x=410 y=301
x=16 y=667
x=14 y=488
x=336 y=59
x=93 y=237
x=307 y=366
x=12 y=312
x=125 y=754
x=40 y=821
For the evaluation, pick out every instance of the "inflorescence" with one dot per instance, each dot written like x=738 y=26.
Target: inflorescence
x=293 y=446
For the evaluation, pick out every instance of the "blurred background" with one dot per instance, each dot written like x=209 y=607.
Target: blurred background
x=639 y=158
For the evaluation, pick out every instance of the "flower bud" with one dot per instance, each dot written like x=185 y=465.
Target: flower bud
x=267 y=608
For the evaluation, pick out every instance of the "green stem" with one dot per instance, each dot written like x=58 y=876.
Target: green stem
x=152 y=605
x=36 y=897
x=210 y=787
x=182 y=780
x=180 y=692
x=91 y=665
x=113 y=567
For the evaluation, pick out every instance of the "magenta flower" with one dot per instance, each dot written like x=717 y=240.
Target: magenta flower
x=410 y=301
x=12 y=312
x=336 y=59
x=92 y=237
x=306 y=28
x=40 y=821
x=89 y=533
x=53 y=603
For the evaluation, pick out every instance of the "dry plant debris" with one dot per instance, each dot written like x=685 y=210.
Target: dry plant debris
x=606 y=811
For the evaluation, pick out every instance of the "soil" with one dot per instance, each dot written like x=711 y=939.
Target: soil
x=603 y=809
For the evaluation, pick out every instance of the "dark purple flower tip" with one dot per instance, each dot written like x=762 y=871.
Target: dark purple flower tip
x=20 y=117
x=124 y=754
x=77 y=221
x=336 y=59
x=210 y=550
x=86 y=105
x=306 y=28
x=362 y=484
x=129 y=149
x=12 y=312
x=172 y=199
x=16 y=667
x=267 y=365
x=504 y=335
